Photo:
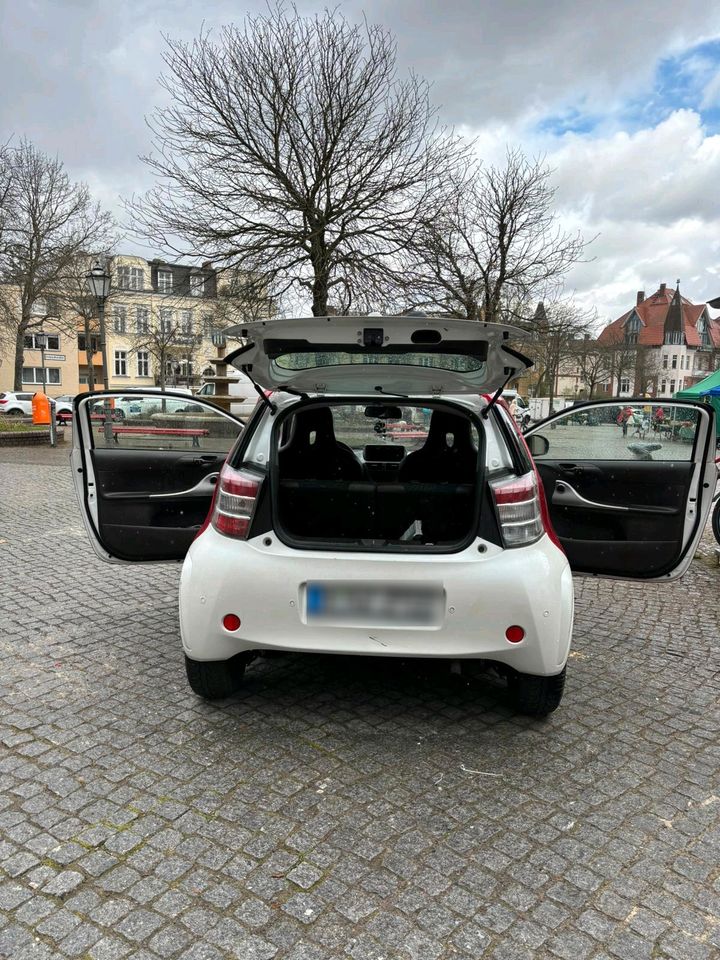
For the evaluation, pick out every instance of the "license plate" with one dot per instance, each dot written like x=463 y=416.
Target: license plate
x=372 y=604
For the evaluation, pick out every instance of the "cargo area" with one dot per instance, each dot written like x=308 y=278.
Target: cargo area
x=377 y=475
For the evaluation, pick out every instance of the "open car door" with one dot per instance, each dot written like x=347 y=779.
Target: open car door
x=145 y=467
x=629 y=485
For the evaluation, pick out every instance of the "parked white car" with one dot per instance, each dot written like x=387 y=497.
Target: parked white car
x=241 y=389
x=326 y=533
x=16 y=404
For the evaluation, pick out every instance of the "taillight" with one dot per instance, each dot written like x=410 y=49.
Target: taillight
x=234 y=503
x=3 y=399
x=518 y=509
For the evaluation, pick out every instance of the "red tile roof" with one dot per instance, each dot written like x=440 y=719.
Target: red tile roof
x=653 y=312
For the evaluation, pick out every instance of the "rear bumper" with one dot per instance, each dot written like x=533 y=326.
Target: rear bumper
x=485 y=594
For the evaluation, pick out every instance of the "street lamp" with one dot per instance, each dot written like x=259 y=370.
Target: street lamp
x=98 y=283
x=41 y=342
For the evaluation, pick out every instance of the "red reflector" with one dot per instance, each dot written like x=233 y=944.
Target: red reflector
x=515 y=634
x=231 y=621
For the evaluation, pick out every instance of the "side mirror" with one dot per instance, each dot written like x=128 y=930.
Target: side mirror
x=538 y=445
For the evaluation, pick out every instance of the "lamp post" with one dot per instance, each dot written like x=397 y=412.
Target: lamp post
x=41 y=342
x=98 y=283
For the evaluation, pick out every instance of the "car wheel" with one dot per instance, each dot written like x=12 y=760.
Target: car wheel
x=14 y=413
x=536 y=696
x=716 y=522
x=215 y=679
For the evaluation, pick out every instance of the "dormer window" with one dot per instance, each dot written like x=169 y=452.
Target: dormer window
x=632 y=329
x=165 y=281
x=703 y=332
x=197 y=284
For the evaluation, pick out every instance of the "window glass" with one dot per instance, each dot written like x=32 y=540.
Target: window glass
x=35 y=375
x=142 y=320
x=165 y=281
x=156 y=422
x=143 y=363
x=120 y=363
x=648 y=431
x=464 y=363
x=119 y=319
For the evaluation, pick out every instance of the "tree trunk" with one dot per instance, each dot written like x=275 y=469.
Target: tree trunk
x=20 y=353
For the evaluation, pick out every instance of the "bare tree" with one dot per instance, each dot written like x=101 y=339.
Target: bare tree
x=292 y=150
x=496 y=243
x=555 y=332
x=51 y=222
x=594 y=364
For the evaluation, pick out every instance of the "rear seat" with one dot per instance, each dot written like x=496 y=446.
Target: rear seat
x=341 y=510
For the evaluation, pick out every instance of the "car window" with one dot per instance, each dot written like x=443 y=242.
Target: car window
x=648 y=431
x=161 y=423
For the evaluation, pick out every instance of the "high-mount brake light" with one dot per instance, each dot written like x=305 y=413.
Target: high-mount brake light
x=518 y=509
x=235 y=501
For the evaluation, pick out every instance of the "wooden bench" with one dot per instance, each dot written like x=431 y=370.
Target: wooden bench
x=195 y=434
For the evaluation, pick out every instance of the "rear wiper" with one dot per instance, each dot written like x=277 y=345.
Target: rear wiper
x=496 y=396
x=389 y=393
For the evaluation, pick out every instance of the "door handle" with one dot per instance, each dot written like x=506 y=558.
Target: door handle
x=565 y=495
x=204 y=487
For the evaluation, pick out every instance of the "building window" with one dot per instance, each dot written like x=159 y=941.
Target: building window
x=674 y=337
x=143 y=363
x=94 y=343
x=39 y=308
x=35 y=375
x=120 y=363
x=674 y=361
x=665 y=361
x=186 y=321
x=632 y=328
x=197 y=284
x=663 y=386
x=166 y=320
x=120 y=319
x=625 y=385
x=672 y=386
x=30 y=343
x=130 y=278
x=165 y=281
x=142 y=320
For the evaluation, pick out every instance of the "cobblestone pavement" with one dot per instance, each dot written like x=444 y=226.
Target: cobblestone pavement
x=341 y=807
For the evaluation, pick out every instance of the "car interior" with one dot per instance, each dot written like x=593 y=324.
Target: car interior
x=377 y=493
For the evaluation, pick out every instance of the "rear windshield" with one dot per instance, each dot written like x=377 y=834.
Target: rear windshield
x=308 y=360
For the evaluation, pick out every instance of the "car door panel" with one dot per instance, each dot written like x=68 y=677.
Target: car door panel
x=631 y=518
x=146 y=485
x=143 y=500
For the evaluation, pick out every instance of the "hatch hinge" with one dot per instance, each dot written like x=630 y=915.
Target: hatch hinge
x=246 y=369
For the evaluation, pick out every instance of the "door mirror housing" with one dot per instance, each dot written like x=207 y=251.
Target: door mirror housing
x=538 y=445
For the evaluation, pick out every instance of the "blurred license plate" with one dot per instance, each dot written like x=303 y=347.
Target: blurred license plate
x=372 y=604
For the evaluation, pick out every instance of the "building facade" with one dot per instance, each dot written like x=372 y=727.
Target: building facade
x=661 y=345
x=160 y=319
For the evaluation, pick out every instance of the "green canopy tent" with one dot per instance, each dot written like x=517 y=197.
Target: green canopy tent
x=707 y=390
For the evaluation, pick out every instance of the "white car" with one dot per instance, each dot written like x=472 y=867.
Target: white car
x=16 y=404
x=241 y=389
x=325 y=530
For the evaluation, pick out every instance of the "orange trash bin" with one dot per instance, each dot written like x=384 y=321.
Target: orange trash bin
x=40 y=409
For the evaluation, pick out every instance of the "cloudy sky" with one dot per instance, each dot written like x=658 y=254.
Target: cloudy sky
x=622 y=97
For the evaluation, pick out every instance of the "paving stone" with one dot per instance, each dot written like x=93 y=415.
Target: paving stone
x=325 y=811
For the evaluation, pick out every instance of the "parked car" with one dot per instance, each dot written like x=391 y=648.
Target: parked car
x=63 y=408
x=240 y=388
x=518 y=407
x=326 y=535
x=16 y=404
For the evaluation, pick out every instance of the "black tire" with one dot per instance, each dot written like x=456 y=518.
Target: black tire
x=15 y=413
x=536 y=696
x=215 y=679
x=716 y=521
